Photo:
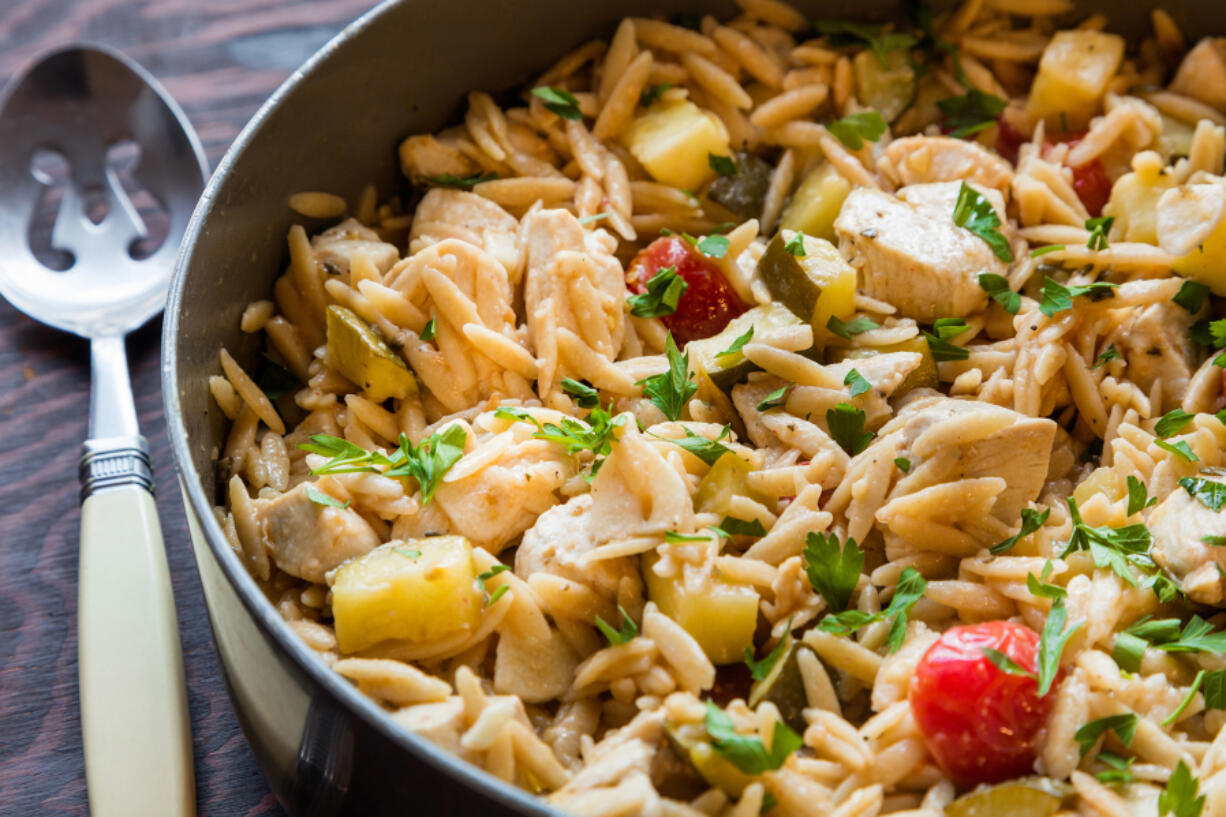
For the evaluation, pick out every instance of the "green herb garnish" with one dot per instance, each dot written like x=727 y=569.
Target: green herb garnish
x=974 y=212
x=664 y=291
x=563 y=103
x=671 y=390
x=852 y=130
x=626 y=633
x=320 y=498
x=846 y=424
x=833 y=569
x=997 y=287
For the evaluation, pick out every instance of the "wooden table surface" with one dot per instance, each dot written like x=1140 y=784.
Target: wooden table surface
x=220 y=59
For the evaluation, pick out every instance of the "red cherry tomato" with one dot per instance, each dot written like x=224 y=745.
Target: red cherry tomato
x=1090 y=180
x=709 y=301
x=980 y=723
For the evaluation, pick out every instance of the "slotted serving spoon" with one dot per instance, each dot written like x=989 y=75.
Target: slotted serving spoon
x=78 y=102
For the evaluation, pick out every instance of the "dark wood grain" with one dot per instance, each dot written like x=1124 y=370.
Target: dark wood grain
x=220 y=59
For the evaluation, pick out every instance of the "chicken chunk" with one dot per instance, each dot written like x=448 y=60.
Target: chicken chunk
x=912 y=255
x=973 y=467
x=424 y=156
x=1157 y=343
x=922 y=159
x=444 y=214
x=1179 y=525
x=1202 y=74
x=336 y=247
x=559 y=544
x=306 y=539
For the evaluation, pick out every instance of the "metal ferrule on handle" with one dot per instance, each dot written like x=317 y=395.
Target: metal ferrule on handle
x=114 y=462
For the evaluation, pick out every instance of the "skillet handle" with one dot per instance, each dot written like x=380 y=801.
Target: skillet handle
x=134 y=716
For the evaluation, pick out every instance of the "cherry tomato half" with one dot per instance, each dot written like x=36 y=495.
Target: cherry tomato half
x=980 y=723
x=709 y=301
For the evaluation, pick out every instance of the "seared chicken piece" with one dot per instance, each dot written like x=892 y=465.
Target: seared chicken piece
x=306 y=539
x=336 y=246
x=911 y=254
x=444 y=214
x=923 y=159
x=1179 y=525
x=1157 y=344
x=559 y=543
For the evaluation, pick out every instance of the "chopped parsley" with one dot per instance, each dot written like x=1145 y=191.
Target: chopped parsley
x=974 y=212
x=652 y=93
x=760 y=669
x=706 y=450
x=1106 y=356
x=1032 y=520
x=1118 y=768
x=714 y=246
x=857 y=382
x=1138 y=496
x=320 y=498
x=459 y=182
x=1052 y=643
x=1057 y=297
x=625 y=633
x=844 y=32
x=492 y=598
x=429 y=461
x=997 y=287
x=1208 y=492
x=1173 y=422
x=1039 y=252
x=796 y=247
x=968 y=114
x=1187 y=699
x=1099 y=227
x=671 y=390
x=775 y=399
x=408 y=553
x=597 y=434
x=903 y=464
x=1114 y=548
x=738 y=343
x=942 y=350
x=593 y=217
x=1006 y=664
x=585 y=395
x=1168 y=635
x=740 y=527
x=911 y=587
x=672 y=537
x=563 y=103
x=1179 y=798
x=1179 y=448
x=845 y=329
x=428 y=331
x=664 y=291
x=1124 y=725
x=833 y=569
x=1191 y=296
x=723 y=165
x=747 y=752
x=852 y=130
x=345 y=457
x=846 y=424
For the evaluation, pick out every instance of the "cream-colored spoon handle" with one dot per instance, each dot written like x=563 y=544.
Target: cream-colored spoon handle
x=134 y=717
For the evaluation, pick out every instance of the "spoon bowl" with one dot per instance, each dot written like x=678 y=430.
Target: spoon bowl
x=78 y=102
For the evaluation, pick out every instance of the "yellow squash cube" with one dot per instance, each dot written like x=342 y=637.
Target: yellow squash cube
x=1207 y=263
x=816 y=203
x=1073 y=76
x=721 y=618
x=1134 y=198
x=673 y=139
x=416 y=591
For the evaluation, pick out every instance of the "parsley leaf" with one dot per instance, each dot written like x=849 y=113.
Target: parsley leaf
x=664 y=291
x=1173 y=422
x=846 y=424
x=911 y=587
x=1038 y=252
x=997 y=287
x=1209 y=493
x=968 y=114
x=346 y=458
x=459 y=182
x=706 y=450
x=1191 y=296
x=1052 y=643
x=563 y=103
x=975 y=213
x=1180 y=799
x=585 y=396
x=845 y=329
x=1215 y=689
x=1006 y=664
x=723 y=165
x=854 y=128
x=1041 y=589
x=1057 y=297
x=1187 y=699
x=796 y=247
x=943 y=350
x=738 y=344
x=1108 y=354
x=857 y=382
x=747 y=752
x=1179 y=448
x=903 y=464
x=775 y=399
x=427 y=331
x=653 y=92
x=947 y=328
x=760 y=669
x=625 y=633
x=592 y=218
x=833 y=571
x=1124 y=725
x=596 y=434
x=671 y=390
x=1138 y=499
x=713 y=246
x=844 y=32
x=1196 y=635
x=1032 y=520
x=320 y=498
x=1099 y=227
x=1118 y=770
x=500 y=591
x=739 y=527
x=408 y=553
x=429 y=461
x=1114 y=548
